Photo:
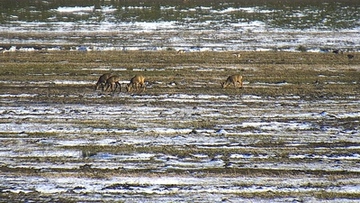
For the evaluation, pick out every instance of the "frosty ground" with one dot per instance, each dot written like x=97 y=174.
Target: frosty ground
x=291 y=134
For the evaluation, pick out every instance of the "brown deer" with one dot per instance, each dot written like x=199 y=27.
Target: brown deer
x=112 y=83
x=102 y=80
x=233 y=79
x=137 y=82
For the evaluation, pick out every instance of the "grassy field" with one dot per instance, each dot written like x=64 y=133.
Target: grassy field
x=291 y=134
x=303 y=71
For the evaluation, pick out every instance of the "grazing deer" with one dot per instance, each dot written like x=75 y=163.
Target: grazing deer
x=137 y=82
x=102 y=80
x=233 y=79
x=112 y=83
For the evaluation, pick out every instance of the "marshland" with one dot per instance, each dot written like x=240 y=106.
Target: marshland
x=291 y=134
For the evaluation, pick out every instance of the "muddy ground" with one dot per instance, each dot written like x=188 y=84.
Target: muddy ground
x=291 y=134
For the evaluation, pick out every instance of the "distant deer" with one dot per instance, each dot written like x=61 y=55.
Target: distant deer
x=233 y=79
x=112 y=83
x=137 y=82
x=102 y=80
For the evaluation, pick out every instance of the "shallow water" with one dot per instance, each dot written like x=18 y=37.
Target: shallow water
x=192 y=26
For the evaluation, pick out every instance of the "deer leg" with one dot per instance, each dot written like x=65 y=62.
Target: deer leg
x=106 y=87
x=118 y=85
x=143 y=87
x=112 y=87
x=139 y=87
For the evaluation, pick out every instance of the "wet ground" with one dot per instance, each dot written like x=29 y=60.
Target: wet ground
x=181 y=141
x=290 y=135
x=317 y=26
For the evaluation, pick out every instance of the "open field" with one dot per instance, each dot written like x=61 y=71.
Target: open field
x=290 y=135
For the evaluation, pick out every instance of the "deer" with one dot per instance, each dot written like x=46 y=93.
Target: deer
x=112 y=83
x=137 y=82
x=102 y=80
x=233 y=79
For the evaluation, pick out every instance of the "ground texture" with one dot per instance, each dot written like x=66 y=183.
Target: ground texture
x=291 y=134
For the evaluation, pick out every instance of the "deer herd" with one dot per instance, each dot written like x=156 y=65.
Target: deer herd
x=109 y=82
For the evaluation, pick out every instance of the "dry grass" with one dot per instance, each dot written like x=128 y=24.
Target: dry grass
x=302 y=71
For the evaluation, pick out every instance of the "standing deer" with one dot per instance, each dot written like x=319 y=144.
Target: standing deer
x=112 y=83
x=233 y=79
x=102 y=80
x=137 y=82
